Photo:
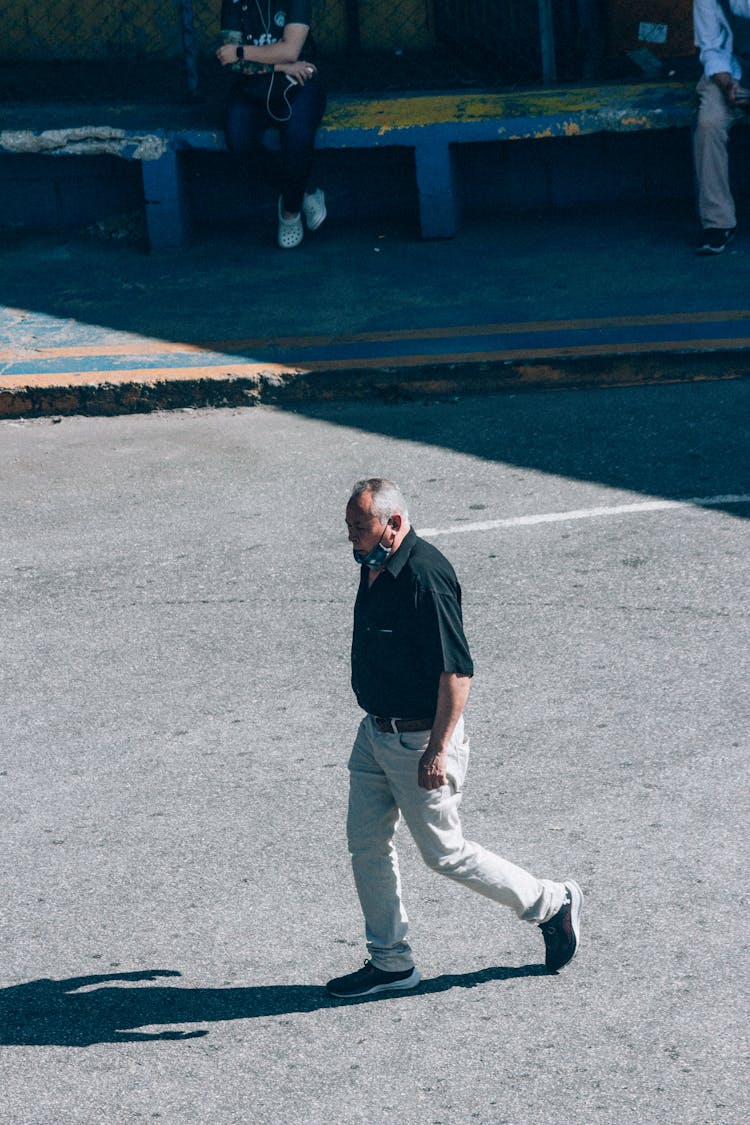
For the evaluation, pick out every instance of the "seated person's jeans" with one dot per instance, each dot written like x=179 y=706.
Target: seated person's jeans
x=248 y=118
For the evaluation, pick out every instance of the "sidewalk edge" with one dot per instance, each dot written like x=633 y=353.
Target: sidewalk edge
x=290 y=386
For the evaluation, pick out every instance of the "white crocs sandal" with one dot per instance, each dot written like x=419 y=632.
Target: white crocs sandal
x=314 y=209
x=290 y=232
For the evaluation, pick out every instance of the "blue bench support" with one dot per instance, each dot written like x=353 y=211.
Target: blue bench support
x=438 y=190
x=167 y=216
x=430 y=124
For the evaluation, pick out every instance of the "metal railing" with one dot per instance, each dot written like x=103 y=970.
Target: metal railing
x=164 y=49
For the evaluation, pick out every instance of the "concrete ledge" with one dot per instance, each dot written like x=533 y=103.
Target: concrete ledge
x=276 y=385
x=86 y=140
x=146 y=132
x=430 y=124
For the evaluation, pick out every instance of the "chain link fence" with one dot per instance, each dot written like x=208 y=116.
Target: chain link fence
x=163 y=50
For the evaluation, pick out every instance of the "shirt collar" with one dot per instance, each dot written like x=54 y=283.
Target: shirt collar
x=400 y=557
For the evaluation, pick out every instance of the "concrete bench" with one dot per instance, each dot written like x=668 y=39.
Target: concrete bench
x=431 y=124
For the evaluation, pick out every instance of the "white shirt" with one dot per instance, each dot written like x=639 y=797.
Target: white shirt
x=713 y=35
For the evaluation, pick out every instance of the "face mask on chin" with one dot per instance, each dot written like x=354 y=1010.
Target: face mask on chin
x=378 y=556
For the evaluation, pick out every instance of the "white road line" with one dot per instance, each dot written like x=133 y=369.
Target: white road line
x=588 y=513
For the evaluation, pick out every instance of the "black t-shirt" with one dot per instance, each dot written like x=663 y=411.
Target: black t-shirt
x=408 y=629
x=260 y=22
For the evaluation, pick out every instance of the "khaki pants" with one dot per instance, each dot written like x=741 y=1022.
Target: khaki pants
x=711 y=156
x=383 y=790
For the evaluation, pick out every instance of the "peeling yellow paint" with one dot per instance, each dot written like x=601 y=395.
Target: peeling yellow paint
x=623 y=107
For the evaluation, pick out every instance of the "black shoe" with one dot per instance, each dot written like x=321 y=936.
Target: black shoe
x=714 y=241
x=561 y=932
x=369 y=979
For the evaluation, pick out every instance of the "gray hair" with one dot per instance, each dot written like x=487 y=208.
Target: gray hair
x=387 y=498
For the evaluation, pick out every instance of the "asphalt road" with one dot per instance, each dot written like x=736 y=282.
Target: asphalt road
x=581 y=297
x=176 y=719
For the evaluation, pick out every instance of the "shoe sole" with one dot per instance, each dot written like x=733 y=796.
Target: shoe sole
x=318 y=222
x=706 y=251
x=576 y=906
x=396 y=986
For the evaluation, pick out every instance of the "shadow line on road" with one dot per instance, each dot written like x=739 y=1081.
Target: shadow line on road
x=79 y=1012
x=674 y=441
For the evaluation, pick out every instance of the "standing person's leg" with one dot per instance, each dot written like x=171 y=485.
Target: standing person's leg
x=372 y=821
x=716 y=208
x=383 y=770
x=432 y=817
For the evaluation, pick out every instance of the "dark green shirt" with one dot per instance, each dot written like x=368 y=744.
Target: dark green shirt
x=259 y=23
x=408 y=629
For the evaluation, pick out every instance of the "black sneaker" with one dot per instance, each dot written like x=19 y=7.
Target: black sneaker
x=369 y=980
x=561 y=932
x=714 y=241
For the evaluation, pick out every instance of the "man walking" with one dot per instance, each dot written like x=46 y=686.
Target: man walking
x=411 y=673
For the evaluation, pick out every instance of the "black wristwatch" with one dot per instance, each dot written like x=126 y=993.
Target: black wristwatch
x=240 y=52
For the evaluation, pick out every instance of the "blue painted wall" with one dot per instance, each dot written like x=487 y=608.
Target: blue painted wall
x=48 y=192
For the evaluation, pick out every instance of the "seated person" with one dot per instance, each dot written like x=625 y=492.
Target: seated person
x=275 y=87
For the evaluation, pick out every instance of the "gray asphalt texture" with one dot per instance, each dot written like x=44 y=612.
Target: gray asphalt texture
x=176 y=718
x=365 y=277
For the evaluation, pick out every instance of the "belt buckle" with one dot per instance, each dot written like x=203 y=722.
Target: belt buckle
x=385 y=724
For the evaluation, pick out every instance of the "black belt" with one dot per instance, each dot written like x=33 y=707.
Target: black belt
x=400 y=726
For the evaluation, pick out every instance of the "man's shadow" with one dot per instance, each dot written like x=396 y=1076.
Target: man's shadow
x=79 y=1011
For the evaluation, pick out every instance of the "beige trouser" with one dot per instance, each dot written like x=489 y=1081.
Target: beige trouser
x=383 y=789
x=711 y=155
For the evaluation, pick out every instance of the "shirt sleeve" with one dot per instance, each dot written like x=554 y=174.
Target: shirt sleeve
x=441 y=629
x=713 y=38
x=230 y=16
x=300 y=11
